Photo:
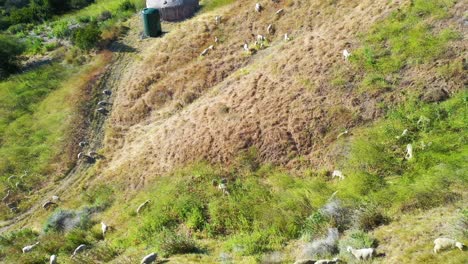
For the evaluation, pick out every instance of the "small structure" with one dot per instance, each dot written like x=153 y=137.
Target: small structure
x=174 y=10
x=151 y=22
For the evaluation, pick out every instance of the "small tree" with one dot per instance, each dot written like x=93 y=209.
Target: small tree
x=87 y=37
x=10 y=49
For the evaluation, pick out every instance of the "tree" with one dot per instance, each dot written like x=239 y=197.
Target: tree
x=10 y=49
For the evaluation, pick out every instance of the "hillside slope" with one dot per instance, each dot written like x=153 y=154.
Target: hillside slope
x=270 y=123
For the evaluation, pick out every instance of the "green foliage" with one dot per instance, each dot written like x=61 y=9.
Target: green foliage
x=99 y=196
x=86 y=37
x=314 y=226
x=170 y=243
x=356 y=239
x=209 y=5
x=405 y=38
x=10 y=48
x=65 y=220
x=127 y=5
x=369 y=217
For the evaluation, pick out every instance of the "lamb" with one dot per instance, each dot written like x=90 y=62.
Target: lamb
x=346 y=54
x=270 y=29
x=279 y=11
x=53 y=259
x=104 y=228
x=258 y=7
x=48 y=204
x=5 y=198
x=107 y=92
x=218 y=20
x=363 y=253
x=78 y=250
x=102 y=110
x=286 y=37
x=150 y=258
x=27 y=249
x=339 y=174
x=409 y=152
x=83 y=144
x=442 y=243
x=142 y=206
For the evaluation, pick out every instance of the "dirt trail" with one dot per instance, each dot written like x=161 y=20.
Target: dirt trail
x=124 y=51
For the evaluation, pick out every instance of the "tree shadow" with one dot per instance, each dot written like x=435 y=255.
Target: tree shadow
x=121 y=47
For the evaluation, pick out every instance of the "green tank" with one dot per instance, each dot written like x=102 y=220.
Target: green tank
x=151 y=22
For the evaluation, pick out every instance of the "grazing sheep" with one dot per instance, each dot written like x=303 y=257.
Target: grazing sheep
x=246 y=47
x=260 y=38
x=5 y=198
x=55 y=198
x=149 y=258
x=83 y=144
x=142 y=206
x=346 y=54
x=216 y=40
x=342 y=134
x=102 y=103
x=78 y=250
x=339 y=174
x=363 y=253
x=305 y=261
x=104 y=228
x=26 y=249
x=218 y=20
x=270 y=29
x=404 y=133
x=48 y=204
x=53 y=259
x=107 y=92
x=279 y=11
x=442 y=243
x=258 y=7
x=286 y=37
x=409 y=152
x=205 y=51
x=102 y=110
x=222 y=187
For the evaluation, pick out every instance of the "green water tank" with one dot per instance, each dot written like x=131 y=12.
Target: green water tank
x=151 y=22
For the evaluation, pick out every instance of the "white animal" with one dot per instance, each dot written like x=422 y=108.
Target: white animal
x=404 y=133
x=339 y=174
x=279 y=12
x=246 y=47
x=78 y=250
x=409 y=152
x=26 y=249
x=362 y=254
x=261 y=38
x=346 y=54
x=286 y=37
x=222 y=187
x=5 y=198
x=258 y=7
x=442 y=243
x=102 y=103
x=342 y=134
x=104 y=228
x=150 y=258
x=142 y=206
x=216 y=40
x=218 y=20
x=82 y=143
x=270 y=29
x=55 y=198
x=53 y=259
x=48 y=204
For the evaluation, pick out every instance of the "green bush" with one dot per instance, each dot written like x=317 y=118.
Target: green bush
x=127 y=5
x=170 y=243
x=86 y=37
x=10 y=49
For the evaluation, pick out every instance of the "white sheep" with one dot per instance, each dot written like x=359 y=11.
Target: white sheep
x=260 y=38
x=342 y=134
x=409 y=152
x=339 y=174
x=403 y=134
x=346 y=54
x=107 y=92
x=53 y=259
x=258 y=7
x=205 y=51
x=216 y=40
x=26 y=249
x=246 y=47
x=363 y=253
x=104 y=228
x=218 y=20
x=5 y=198
x=82 y=143
x=442 y=243
x=286 y=37
x=270 y=29
x=102 y=103
x=78 y=250
x=150 y=258
x=55 y=198
x=279 y=11
x=222 y=187
x=142 y=206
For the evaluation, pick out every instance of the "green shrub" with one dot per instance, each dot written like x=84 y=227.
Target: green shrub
x=10 y=49
x=86 y=37
x=64 y=220
x=170 y=243
x=60 y=29
x=369 y=217
x=127 y=5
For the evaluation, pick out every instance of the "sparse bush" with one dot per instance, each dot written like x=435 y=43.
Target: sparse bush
x=105 y=15
x=369 y=217
x=321 y=248
x=10 y=48
x=63 y=220
x=127 y=5
x=60 y=29
x=170 y=243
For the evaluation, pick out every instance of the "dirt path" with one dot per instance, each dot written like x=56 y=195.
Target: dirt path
x=124 y=51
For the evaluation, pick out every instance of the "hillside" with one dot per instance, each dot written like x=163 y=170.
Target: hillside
x=269 y=125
